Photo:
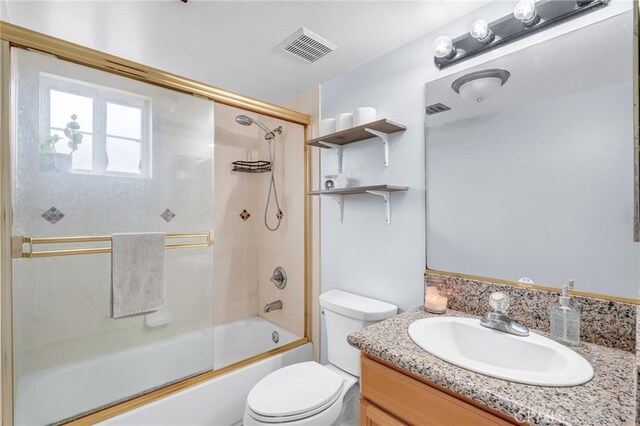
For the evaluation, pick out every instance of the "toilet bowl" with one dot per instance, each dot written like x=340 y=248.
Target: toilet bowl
x=304 y=394
x=309 y=393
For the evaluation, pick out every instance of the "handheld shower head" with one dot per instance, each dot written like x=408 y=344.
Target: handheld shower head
x=244 y=120
x=248 y=121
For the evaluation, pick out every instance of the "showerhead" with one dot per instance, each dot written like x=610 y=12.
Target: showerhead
x=244 y=120
x=248 y=121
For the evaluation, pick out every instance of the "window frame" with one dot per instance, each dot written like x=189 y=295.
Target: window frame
x=101 y=96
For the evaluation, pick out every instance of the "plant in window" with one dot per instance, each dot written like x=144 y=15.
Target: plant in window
x=49 y=144
x=53 y=160
x=71 y=131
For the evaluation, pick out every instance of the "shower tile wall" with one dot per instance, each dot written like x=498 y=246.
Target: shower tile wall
x=235 y=257
x=284 y=247
x=246 y=253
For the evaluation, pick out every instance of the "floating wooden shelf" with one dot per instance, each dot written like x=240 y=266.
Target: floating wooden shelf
x=356 y=134
x=358 y=190
x=383 y=191
x=380 y=129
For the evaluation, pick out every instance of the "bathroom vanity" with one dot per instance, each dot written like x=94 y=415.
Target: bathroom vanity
x=403 y=384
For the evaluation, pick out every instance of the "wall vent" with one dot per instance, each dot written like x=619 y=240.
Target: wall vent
x=437 y=109
x=307 y=45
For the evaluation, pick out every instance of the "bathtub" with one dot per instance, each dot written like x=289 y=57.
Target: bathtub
x=240 y=340
x=62 y=392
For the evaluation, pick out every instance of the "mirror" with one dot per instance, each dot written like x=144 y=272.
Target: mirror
x=535 y=179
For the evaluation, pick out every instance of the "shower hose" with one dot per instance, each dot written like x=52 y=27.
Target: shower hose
x=272 y=188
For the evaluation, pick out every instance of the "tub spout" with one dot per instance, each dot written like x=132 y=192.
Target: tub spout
x=273 y=306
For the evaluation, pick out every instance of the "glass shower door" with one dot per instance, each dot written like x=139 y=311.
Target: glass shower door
x=97 y=154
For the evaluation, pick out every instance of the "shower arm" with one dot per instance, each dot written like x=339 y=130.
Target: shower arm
x=262 y=126
x=269 y=134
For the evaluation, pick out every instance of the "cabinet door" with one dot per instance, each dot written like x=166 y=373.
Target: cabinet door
x=416 y=402
x=370 y=415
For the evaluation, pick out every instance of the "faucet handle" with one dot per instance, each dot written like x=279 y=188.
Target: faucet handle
x=499 y=302
x=279 y=277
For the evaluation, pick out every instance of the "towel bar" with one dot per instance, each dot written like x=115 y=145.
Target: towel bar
x=23 y=246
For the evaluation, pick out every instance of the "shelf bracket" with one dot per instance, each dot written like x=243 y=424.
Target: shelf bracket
x=387 y=203
x=385 y=142
x=338 y=199
x=338 y=149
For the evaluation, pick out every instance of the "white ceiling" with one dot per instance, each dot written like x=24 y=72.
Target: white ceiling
x=235 y=44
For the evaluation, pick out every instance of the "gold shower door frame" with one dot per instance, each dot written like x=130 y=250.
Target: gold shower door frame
x=15 y=36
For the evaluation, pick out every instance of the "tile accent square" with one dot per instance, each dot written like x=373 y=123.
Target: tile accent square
x=245 y=215
x=53 y=215
x=167 y=215
x=280 y=215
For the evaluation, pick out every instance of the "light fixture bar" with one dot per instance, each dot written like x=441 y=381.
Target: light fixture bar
x=509 y=29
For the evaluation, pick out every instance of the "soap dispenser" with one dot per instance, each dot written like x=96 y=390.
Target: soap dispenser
x=565 y=319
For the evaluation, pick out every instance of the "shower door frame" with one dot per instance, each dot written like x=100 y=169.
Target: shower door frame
x=15 y=36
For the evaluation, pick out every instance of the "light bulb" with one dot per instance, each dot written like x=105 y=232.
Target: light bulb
x=481 y=32
x=443 y=47
x=525 y=11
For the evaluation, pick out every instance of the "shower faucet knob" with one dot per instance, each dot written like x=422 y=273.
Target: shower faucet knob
x=279 y=277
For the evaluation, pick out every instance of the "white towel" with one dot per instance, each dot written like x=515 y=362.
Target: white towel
x=137 y=273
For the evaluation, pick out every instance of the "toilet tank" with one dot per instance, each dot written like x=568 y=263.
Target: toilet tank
x=345 y=313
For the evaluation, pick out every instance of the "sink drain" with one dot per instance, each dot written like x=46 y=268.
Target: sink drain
x=275 y=337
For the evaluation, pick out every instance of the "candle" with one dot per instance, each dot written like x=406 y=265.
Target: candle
x=435 y=302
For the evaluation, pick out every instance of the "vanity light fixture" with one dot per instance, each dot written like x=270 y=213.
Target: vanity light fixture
x=480 y=85
x=528 y=17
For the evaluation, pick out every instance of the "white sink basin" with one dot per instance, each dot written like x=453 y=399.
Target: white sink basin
x=533 y=360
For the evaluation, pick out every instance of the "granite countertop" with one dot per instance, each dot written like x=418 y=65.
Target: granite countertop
x=608 y=399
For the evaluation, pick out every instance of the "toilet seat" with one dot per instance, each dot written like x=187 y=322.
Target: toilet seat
x=294 y=392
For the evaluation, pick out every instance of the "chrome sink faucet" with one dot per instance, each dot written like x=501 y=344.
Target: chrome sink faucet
x=498 y=319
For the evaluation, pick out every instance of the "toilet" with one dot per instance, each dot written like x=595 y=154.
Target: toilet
x=309 y=393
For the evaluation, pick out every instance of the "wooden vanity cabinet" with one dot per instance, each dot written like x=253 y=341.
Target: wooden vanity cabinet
x=392 y=397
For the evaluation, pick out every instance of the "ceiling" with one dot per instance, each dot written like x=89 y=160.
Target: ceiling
x=235 y=44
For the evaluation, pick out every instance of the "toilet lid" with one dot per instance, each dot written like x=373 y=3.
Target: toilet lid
x=294 y=390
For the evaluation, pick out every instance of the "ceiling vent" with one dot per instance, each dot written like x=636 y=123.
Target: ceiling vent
x=437 y=109
x=307 y=45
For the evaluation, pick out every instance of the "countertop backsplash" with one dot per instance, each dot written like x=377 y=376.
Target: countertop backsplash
x=604 y=322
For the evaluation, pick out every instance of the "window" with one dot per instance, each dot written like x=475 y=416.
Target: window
x=114 y=126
